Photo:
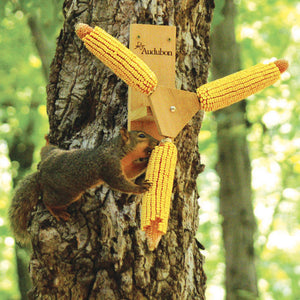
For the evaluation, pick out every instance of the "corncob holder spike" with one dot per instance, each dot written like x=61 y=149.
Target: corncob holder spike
x=154 y=105
x=160 y=109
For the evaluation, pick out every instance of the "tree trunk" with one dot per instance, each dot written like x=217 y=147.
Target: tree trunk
x=234 y=169
x=101 y=253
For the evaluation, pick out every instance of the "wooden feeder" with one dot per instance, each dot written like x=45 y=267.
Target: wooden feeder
x=166 y=111
x=149 y=66
x=156 y=107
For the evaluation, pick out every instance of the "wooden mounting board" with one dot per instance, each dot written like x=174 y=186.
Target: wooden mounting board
x=156 y=46
x=184 y=106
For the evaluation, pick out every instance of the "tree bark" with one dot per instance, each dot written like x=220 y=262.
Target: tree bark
x=234 y=169
x=101 y=253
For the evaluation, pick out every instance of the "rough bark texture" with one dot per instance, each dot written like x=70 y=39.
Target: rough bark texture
x=234 y=170
x=101 y=253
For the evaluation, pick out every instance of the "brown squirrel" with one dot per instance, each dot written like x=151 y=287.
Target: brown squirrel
x=64 y=175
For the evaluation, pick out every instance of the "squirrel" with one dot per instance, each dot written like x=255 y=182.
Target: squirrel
x=63 y=176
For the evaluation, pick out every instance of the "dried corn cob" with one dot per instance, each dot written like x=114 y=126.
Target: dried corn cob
x=235 y=87
x=156 y=202
x=123 y=62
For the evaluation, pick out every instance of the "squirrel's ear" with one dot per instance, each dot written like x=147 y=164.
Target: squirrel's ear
x=125 y=135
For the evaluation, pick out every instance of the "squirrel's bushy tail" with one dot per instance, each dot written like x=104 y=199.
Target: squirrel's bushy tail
x=26 y=196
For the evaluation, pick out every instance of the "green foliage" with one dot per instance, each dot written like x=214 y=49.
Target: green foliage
x=23 y=118
x=264 y=29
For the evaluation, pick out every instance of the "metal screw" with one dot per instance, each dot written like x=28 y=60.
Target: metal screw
x=173 y=108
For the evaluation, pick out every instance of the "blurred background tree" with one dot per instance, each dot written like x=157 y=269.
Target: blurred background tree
x=27 y=38
x=234 y=168
x=263 y=30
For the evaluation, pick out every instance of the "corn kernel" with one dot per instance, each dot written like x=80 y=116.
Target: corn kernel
x=157 y=201
x=235 y=87
x=123 y=62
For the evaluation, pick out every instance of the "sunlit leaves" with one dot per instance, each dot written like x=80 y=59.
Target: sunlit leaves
x=265 y=29
x=23 y=115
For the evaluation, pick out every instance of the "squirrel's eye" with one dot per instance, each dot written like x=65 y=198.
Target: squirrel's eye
x=142 y=135
x=143 y=159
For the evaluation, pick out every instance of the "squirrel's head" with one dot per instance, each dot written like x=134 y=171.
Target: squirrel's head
x=138 y=142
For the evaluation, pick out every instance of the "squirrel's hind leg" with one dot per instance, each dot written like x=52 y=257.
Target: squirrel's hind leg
x=59 y=213
x=58 y=202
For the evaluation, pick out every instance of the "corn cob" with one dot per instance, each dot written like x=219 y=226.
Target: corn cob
x=123 y=62
x=156 y=202
x=235 y=87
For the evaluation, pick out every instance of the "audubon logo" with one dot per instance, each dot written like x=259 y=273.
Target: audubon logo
x=153 y=51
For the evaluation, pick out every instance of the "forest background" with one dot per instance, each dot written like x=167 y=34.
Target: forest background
x=28 y=31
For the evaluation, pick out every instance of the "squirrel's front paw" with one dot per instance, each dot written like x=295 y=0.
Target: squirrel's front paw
x=145 y=186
